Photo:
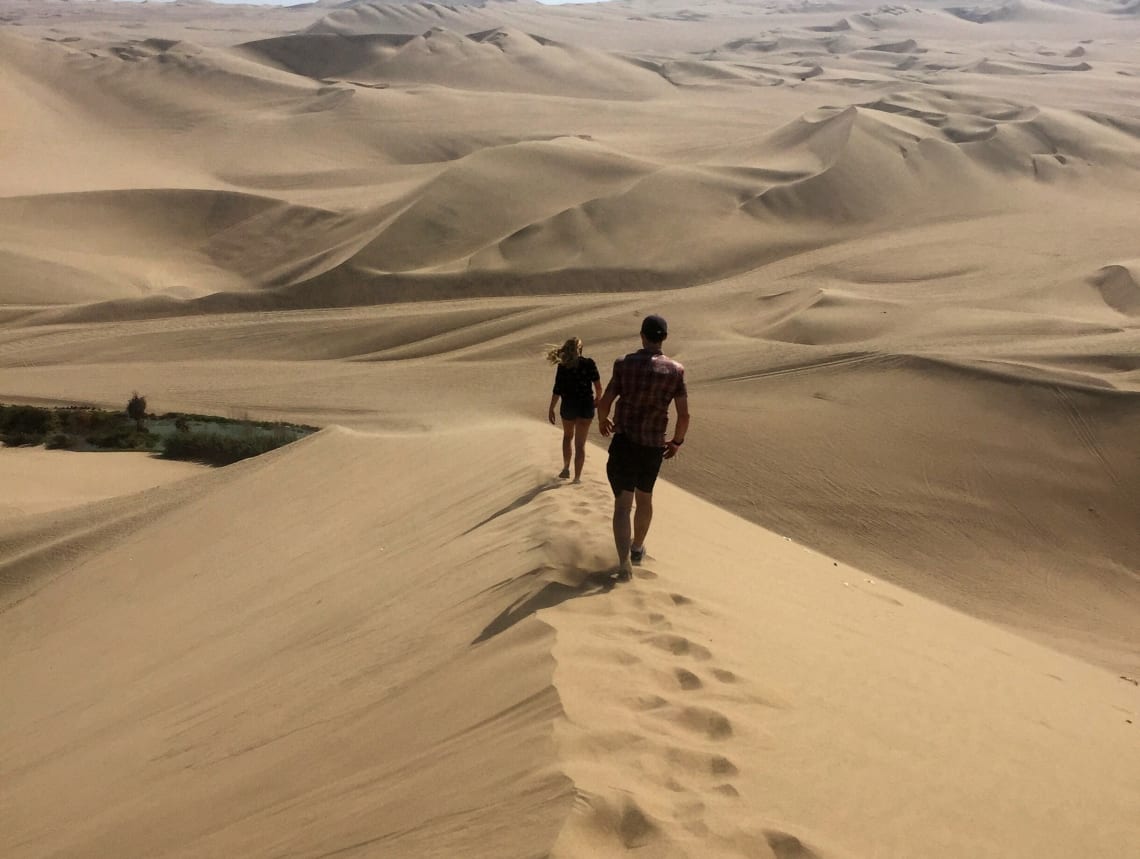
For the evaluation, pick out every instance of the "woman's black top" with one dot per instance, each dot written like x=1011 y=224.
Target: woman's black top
x=575 y=384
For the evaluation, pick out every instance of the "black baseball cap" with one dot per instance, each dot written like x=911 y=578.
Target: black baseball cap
x=654 y=328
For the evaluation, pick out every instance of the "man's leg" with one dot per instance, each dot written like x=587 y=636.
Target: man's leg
x=642 y=517
x=623 y=505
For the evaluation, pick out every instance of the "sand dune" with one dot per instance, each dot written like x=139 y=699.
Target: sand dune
x=655 y=716
x=412 y=18
x=610 y=213
x=499 y=59
x=891 y=599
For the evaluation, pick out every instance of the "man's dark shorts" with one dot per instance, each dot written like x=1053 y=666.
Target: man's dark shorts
x=632 y=466
x=572 y=410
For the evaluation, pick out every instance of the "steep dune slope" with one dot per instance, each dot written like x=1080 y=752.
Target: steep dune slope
x=231 y=685
x=1071 y=566
x=142 y=242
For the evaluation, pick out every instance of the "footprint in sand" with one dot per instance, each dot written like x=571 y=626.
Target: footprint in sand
x=678 y=645
x=701 y=720
x=692 y=812
x=686 y=679
x=701 y=763
x=651 y=702
x=787 y=846
x=711 y=723
x=720 y=765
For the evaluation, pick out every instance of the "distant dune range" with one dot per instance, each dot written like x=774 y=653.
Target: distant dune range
x=897 y=557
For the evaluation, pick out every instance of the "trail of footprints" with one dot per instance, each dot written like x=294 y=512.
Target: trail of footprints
x=686 y=674
x=682 y=737
x=681 y=740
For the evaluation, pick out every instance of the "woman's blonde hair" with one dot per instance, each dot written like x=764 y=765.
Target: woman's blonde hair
x=567 y=354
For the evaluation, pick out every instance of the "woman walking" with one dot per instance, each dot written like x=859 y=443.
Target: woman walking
x=572 y=382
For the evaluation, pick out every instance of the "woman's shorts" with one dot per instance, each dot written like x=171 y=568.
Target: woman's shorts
x=572 y=410
x=633 y=466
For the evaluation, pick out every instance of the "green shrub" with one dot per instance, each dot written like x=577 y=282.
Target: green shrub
x=79 y=428
x=215 y=448
x=59 y=441
x=21 y=425
x=123 y=436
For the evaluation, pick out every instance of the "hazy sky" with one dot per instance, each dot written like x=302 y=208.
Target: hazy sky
x=299 y=2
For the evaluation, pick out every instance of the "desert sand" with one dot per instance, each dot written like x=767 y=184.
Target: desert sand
x=891 y=601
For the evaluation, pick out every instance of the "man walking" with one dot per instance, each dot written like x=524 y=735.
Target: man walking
x=643 y=384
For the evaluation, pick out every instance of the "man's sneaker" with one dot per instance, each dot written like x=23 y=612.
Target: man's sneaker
x=637 y=555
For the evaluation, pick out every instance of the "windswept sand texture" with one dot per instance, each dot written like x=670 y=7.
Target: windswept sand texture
x=892 y=596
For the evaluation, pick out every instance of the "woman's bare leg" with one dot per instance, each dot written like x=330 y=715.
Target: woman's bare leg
x=581 y=430
x=567 y=445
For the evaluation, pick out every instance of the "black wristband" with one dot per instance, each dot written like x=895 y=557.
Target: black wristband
x=675 y=442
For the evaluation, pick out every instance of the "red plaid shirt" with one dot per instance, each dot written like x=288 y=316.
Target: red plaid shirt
x=645 y=382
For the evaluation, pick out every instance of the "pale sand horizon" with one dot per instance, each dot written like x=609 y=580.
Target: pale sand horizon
x=891 y=599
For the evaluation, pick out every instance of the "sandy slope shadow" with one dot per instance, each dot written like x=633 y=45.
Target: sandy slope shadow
x=521 y=501
x=548 y=596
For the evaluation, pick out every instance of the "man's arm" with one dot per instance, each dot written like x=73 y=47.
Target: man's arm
x=682 y=427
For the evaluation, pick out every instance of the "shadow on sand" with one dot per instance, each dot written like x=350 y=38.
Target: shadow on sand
x=548 y=596
x=521 y=501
